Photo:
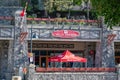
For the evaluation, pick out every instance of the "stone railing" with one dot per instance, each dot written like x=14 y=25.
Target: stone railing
x=75 y=76
x=6 y=32
x=33 y=75
x=44 y=32
x=95 y=69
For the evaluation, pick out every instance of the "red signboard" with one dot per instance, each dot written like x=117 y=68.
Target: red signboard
x=65 y=33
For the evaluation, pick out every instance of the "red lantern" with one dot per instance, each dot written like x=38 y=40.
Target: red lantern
x=91 y=52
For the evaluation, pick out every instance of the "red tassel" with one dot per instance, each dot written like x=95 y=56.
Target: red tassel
x=22 y=13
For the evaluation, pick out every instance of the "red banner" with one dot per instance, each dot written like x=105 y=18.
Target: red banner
x=65 y=34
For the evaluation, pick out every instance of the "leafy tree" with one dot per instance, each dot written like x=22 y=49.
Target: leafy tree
x=78 y=2
x=110 y=9
x=58 y=5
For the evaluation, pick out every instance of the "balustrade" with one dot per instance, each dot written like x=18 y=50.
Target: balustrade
x=94 y=69
x=43 y=31
x=7 y=32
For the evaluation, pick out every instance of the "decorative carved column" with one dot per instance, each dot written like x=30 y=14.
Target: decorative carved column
x=108 y=58
x=31 y=72
x=20 y=48
x=118 y=71
x=4 y=59
x=98 y=55
x=10 y=61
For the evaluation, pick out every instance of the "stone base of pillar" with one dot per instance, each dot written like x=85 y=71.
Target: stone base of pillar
x=118 y=71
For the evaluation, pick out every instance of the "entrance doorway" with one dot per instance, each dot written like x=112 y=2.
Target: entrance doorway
x=117 y=52
x=43 y=61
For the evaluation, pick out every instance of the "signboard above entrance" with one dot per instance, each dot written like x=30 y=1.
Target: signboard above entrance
x=65 y=34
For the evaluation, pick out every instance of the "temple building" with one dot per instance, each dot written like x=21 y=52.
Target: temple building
x=34 y=39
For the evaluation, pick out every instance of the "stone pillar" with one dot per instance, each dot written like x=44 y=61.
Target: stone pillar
x=31 y=72
x=118 y=71
x=108 y=57
x=98 y=55
x=107 y=50
x=20 y=48
x=3 y=59
x=10 y=61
